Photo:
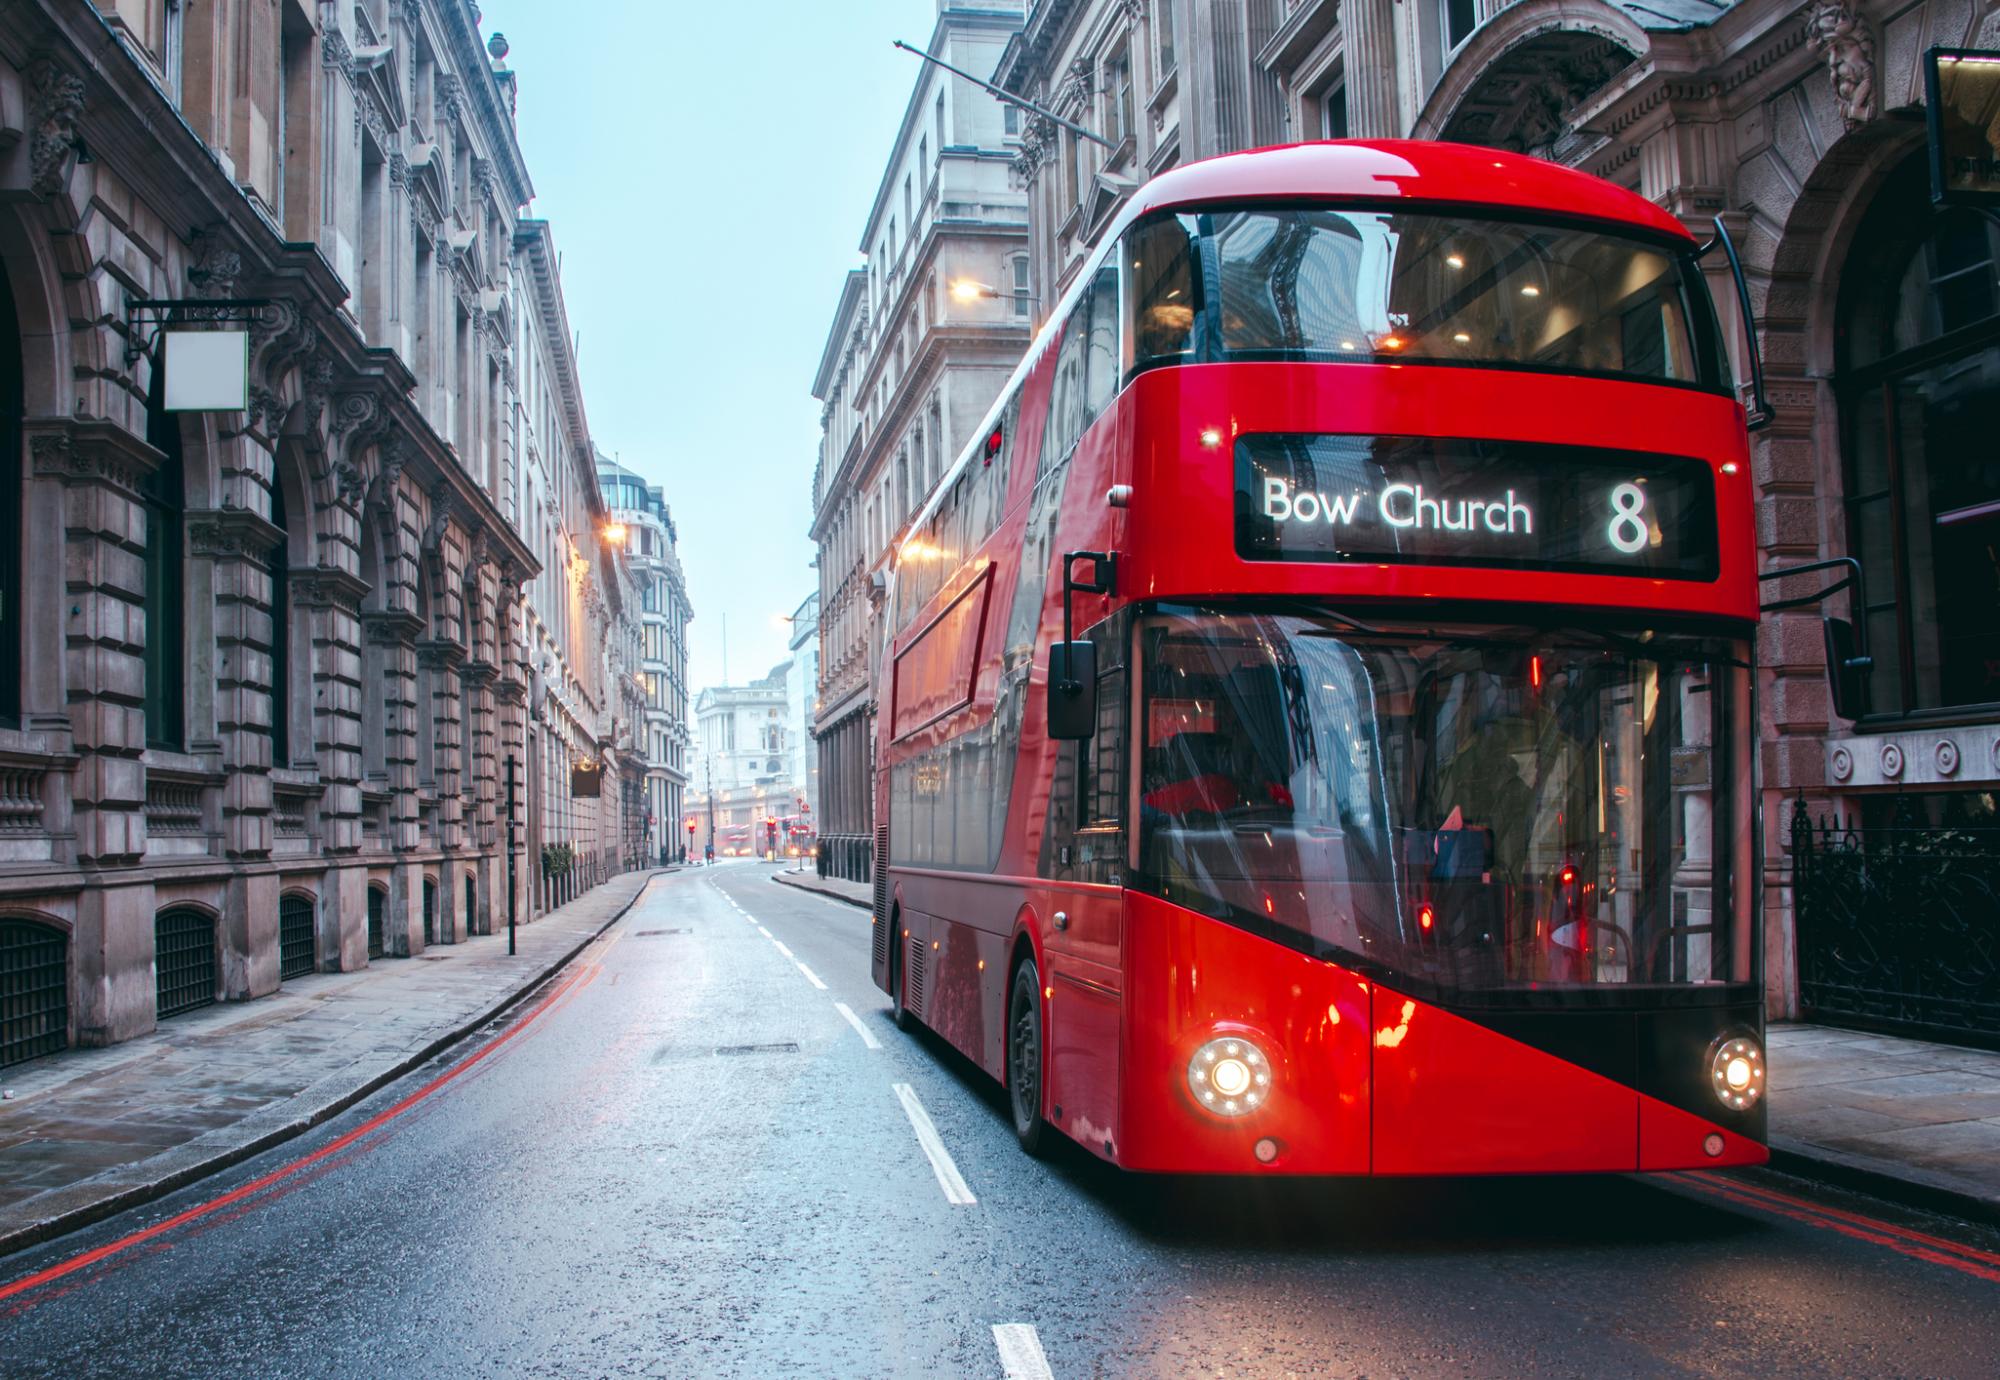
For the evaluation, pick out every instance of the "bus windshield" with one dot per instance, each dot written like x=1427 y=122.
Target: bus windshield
x=1363 y=285
x=1471 y=808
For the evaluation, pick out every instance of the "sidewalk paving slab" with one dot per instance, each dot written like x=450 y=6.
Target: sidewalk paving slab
x=853 y=893
x=91 y=1132
x=1915 y=1122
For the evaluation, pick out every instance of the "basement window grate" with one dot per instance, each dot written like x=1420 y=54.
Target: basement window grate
x=784 y=1047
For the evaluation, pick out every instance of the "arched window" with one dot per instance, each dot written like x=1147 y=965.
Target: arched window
x=166 y=613
x=13 y=538
x=281 y=629
x=374 y=676
x=1919 y=384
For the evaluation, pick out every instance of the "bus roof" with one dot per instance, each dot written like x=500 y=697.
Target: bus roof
x=1406 y=169
x=1417 y=170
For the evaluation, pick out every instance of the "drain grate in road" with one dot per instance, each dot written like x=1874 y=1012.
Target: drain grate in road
x=784 y=1047
x=646 y=934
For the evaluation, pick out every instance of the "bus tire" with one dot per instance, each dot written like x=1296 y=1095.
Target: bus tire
x=1025 y=1057
x=898 y=1012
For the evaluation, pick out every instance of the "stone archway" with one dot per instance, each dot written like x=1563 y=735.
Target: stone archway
x=1515 y=82
x=1794 y=252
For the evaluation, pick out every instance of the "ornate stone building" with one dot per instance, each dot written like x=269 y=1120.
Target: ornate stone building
x=1878 y=315
x=652 y=548
x=921 y=341
x=261 y=671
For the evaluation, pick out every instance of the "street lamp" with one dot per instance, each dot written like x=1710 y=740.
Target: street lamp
x=971 y=290
x=614 y=532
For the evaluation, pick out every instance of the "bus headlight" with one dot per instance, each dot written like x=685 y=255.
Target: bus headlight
x=1229 y=1076
x=1737 y=1073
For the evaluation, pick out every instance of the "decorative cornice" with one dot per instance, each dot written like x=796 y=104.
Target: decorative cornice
x=439 y=654
x=90 y=452
x=329 y=587
x=392 y=627
x=55 y=106
x=231 y=532
x=1837 y=30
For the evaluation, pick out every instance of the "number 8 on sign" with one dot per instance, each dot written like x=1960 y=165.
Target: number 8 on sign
x=1628 y=530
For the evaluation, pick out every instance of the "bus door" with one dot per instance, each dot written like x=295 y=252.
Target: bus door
x=1083 y=856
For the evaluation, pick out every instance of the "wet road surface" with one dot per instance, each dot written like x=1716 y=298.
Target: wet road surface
x=704 y=1150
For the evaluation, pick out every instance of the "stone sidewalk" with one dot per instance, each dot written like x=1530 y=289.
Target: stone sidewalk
x=1902 y=1118
x=90 y=1132
x=854 y=893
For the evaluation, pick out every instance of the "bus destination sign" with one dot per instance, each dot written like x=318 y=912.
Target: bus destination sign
x=1456 y=502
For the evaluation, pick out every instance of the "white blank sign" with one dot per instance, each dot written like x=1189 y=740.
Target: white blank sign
x=207 y=371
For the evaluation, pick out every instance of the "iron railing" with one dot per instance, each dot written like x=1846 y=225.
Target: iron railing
x=850 y=857
x=34 y=990
x=1899 y=927
x=183 y=961
x=296 y=952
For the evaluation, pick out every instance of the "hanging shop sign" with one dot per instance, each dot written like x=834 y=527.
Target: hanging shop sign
x=586 y=780
x=1962 y=109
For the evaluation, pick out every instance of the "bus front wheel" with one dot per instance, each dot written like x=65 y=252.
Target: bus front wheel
x=1024 y=1059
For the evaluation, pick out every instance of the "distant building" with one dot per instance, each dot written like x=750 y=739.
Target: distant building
x=743 y=775
x=802 y=690
x=652 y=550
x=922 y=339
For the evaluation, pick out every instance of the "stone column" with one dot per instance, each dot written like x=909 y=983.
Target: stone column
x=238 y=543
x=100 y=468
x=1370 y=66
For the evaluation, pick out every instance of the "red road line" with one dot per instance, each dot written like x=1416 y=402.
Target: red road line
x=1859 y=1219
x=1873 y=1232
x=88 y=1258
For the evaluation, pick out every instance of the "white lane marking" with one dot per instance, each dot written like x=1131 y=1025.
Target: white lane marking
x=1021 y=1355
x=785 y=951
x=766 y=933
x=811 y=976
x=867 y=1035
x=948 y=1177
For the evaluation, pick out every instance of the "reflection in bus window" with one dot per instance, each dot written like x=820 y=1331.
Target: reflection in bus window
x=1501 y=808
x=1164 y=279
x=1380 y=286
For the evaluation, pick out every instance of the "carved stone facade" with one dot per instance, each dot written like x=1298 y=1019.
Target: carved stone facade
x=273 y=664
x=921 y=341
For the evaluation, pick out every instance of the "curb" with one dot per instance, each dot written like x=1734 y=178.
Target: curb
x=779 y=878
x=1805 y=1160
x=97 y=1209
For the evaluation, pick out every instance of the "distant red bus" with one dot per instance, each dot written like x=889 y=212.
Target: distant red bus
x=735 y=841
x=1389 y=808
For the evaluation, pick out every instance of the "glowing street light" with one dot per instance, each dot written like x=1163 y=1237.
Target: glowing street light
x=614 y=532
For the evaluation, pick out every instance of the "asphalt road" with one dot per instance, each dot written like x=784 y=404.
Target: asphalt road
x=685 y=1160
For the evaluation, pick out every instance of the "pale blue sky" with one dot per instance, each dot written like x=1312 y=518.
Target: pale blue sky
x=707 y=180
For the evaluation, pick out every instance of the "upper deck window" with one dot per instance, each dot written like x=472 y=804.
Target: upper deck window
x=1379 y=286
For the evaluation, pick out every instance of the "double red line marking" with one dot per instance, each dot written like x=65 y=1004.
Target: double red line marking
x=1917 y=1245
x=563 y=988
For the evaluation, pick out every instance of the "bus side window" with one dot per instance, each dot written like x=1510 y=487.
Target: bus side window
x=1101 y=367
x=1162 y=294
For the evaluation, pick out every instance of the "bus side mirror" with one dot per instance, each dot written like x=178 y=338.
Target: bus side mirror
x=1072 y=690
x=1846 y=669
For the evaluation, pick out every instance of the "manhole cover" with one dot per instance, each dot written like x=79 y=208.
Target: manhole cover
x=785 y=1047
x=644 y=934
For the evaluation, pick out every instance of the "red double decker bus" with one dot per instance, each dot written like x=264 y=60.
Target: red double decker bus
x=1318 y=721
